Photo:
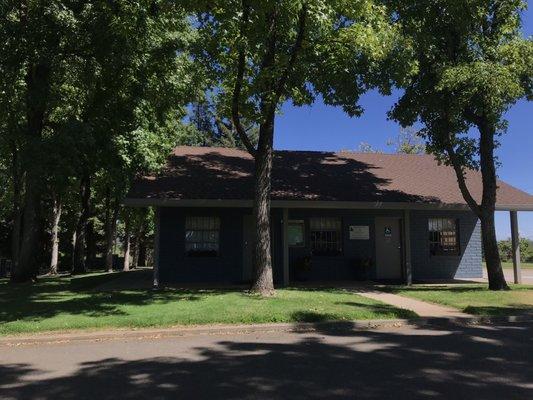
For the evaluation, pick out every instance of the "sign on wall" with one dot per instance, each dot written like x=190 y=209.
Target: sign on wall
x=388 y=231
x=359 y=232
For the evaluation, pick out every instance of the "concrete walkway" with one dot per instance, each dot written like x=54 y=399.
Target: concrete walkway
x=422 y=308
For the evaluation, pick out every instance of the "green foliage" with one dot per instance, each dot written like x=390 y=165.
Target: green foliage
x=205 y=128
x=106 y=84
x=365 y=147
x=408 y=141
x=473 y=64
x=347 y=48
x=506 y=250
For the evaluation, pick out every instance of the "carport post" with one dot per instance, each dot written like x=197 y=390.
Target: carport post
x=285 y=247
x=407 y=247
x=515 y=242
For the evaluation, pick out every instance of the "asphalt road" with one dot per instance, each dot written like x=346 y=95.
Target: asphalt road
x=483 y=362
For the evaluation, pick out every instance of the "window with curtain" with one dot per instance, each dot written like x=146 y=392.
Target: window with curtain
x=202 y=236
x=326 y=236
x=443 y=236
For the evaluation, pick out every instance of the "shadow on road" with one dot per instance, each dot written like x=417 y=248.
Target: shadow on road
x=455 y=362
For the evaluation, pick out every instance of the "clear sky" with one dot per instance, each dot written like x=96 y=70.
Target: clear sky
x=319 y=127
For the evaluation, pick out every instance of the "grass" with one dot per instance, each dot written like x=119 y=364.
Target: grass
x=474 y=299
x=64 y=304
x=509 y=264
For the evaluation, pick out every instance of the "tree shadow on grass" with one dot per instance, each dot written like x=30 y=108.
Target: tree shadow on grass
x=456 y=362
x=500 y=310
x=382 y=309
x=48 y=298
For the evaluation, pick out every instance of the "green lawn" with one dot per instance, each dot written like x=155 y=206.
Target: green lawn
x=64 y=304
x=474 y=299
x=523 y=265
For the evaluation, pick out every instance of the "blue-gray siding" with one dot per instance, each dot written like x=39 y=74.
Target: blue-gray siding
x=466 y=265
x=175 y=266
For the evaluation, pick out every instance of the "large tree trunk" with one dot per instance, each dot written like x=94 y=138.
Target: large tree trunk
x=78 y=261
x=37 y=81
x=135 y=250
x=492 y=256
x=111 y=231
x=54 y=240
x=262 y=259
x=90 y=239
x=17 y=212
x=141 y=250
x=488 y=206
x=27 y=268
x=127 y=242
x=141 y=241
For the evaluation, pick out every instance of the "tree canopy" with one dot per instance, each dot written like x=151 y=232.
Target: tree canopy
x=473 y=65
x=94 y=92
x=258 y=55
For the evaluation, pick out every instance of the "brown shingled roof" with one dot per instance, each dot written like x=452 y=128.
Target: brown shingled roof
x=211 y=173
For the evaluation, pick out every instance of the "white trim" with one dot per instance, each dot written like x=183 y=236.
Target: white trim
x=133 y=202
x=514 y=207
x=295 y=204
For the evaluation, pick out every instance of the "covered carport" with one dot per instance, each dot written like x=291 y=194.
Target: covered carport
x=515 y=236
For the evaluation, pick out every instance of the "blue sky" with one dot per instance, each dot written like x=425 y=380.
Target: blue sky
x=319 y=127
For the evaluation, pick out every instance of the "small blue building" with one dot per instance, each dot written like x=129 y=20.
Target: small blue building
x=334 y=217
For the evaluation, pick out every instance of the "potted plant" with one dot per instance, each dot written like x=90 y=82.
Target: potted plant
x=363 y=266
x=303 y=268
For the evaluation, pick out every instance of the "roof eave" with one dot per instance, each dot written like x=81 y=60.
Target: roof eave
x=143 y=202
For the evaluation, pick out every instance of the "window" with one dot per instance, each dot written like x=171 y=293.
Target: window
x=325 y=236
x=443 y=236
x=202 y=236
x=296 y=234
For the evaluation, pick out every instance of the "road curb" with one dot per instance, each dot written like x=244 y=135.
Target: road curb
x=302 y=327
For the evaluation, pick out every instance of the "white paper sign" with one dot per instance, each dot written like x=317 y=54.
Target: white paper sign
x=359 y=232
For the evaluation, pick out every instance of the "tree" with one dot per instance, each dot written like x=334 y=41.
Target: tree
x=506 y=249
x=207 y=129
x=473 y=65
x=258 y=55
x=365 y=147
x=408 y=141
x=107 y=81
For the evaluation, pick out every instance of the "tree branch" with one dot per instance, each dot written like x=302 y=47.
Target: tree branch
x=459 y=172
x=241 y=63
x=280 y=87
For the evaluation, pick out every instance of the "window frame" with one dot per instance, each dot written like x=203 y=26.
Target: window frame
x=205 y=253
x=301 y=223
x=340 y=238
x=436 y=248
